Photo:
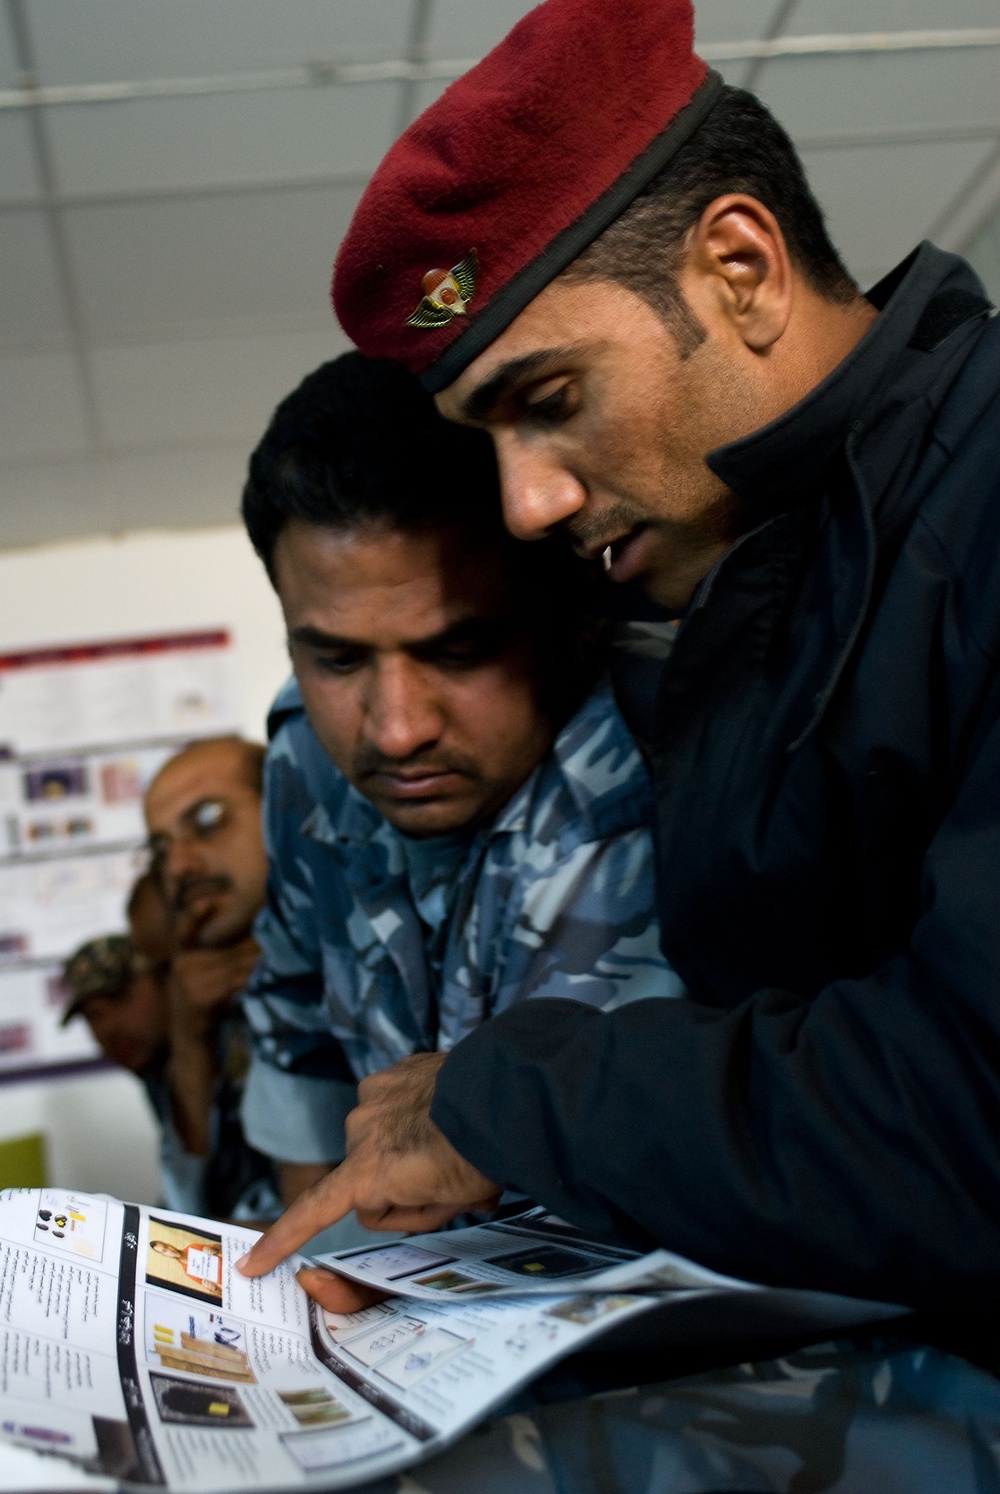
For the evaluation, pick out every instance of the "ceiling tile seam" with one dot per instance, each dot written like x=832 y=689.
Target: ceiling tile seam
x=966 y=193
x=23 y=47
x=332 y=74
x=983 y=219
x=169 y=191
x=248 y=186
x=417 y=53
x=169 y=334
x=853 y=43
x=906 y=136
x=779 y=20
x=311 y=75
x=117 y=453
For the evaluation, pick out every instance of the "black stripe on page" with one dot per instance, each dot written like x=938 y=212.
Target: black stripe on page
x=135 y=1406
x=408 y=1420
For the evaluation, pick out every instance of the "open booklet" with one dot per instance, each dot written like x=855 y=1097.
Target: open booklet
x=135 y=1350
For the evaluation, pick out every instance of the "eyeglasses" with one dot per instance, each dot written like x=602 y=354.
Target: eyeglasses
x=200 y=821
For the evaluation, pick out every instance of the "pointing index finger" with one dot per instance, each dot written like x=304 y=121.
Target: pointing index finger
x=323 y=1204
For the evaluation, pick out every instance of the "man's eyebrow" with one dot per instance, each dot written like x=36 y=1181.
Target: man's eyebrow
x=457 y=632
x=466 y=630
x=316 y=638
x=508 y=376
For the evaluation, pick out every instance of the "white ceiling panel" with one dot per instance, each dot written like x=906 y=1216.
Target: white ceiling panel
x=827 y=95
x=820 y=16
x=201 y=263
x=427 y=94
x=43 y=504
x=31 y=309
x=18 y=178
x=202 y=228
x=40 y=410
x=459 y=29
x=733 y=20
x=237 y=136
x=100 y=40
x=881 y=201
x=8 y=65
x=183 y=487
x=984 y=253
x=215 y=389
x=197 y=486
x=733 y=73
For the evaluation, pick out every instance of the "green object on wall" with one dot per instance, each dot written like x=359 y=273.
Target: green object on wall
x=22 y=1162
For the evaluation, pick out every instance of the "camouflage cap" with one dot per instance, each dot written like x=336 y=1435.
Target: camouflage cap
x=101 y=967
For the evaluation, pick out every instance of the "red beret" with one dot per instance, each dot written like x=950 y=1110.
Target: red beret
x=515 y=169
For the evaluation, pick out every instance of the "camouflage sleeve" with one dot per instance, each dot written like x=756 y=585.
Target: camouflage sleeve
x=300 y=1085
x=585 y=928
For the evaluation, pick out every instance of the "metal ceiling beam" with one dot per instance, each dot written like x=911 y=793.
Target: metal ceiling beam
x=913 y=135
x=308 y=75
x=321 y=74
x=171 y=191
x=44 y=161
x=356 y=180
x=838 y=44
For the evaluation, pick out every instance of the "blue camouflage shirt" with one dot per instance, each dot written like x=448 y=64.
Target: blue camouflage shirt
x=555 y=897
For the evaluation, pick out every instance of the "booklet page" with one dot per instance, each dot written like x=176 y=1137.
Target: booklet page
x=132 y=1348
x=533 y=1252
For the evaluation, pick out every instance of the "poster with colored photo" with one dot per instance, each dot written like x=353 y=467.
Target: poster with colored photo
x=83 y=729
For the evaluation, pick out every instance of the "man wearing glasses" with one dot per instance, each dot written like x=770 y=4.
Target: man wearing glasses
x=207 y=855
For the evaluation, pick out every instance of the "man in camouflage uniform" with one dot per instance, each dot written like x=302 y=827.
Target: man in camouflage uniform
x=207 y=860
x=421 y=879
x=125 y=988
x=844 y=1418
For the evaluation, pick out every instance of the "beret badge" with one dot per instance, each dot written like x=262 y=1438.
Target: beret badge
x=447 y=294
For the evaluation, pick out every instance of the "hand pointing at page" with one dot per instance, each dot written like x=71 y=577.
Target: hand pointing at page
x=400 y=1173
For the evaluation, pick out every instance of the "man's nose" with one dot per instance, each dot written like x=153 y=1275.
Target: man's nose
x=402 y=714
x=182 y=859
x=538 y=492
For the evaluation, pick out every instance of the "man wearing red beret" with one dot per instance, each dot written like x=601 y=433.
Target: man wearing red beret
x=593 y=249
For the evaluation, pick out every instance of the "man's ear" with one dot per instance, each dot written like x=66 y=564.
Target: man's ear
x=737 y=270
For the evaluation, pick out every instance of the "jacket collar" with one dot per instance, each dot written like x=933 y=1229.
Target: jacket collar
x=890 y=388
x=920 y=304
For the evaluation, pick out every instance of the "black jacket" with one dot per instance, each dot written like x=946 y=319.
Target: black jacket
x=825 y=1109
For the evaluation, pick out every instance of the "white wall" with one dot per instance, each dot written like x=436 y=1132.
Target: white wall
x=149 y=583
x=101 y=1134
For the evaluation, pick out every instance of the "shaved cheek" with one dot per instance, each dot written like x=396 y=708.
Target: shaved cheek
x=335 y=711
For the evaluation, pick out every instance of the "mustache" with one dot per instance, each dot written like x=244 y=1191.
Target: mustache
x=368 y=760
x=596 y=531
x=194 y=887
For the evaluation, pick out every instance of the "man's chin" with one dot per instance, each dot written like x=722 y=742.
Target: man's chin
x=226 y=926
x=424 y=818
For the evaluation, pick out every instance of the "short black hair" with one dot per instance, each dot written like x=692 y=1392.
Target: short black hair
x=740 y=147
x=360 y=443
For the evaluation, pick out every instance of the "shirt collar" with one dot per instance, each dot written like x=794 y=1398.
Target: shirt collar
x=596 y=726
x=352 y=820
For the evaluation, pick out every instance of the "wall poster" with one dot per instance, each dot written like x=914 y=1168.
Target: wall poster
x=83 y=729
